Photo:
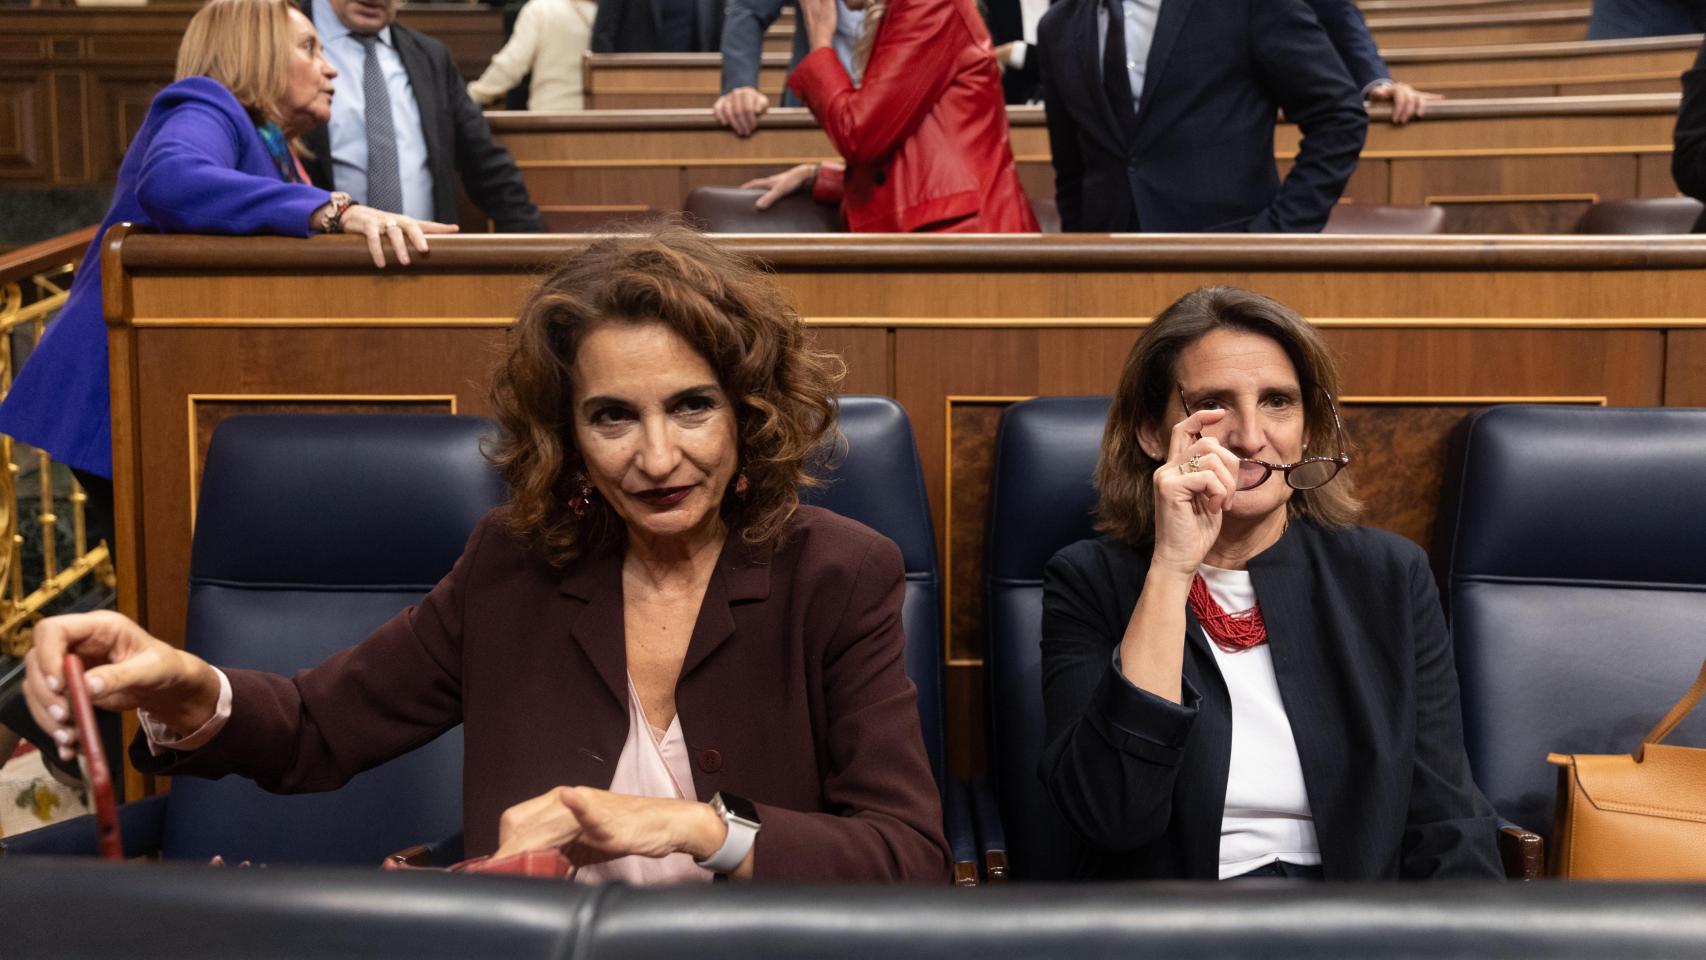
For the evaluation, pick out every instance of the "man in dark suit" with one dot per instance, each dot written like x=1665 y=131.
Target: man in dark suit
x=406 y=157
x=658 y=26
x=1620 y=19
x=1179 y=134
x=1688 y=159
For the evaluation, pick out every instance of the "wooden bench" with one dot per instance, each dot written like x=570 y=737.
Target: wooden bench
x=1501 y=166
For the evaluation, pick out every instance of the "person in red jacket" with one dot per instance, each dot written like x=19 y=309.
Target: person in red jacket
x=924 y=133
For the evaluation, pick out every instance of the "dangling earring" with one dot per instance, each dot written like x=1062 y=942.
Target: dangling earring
x=581 y=502
x=741 y=484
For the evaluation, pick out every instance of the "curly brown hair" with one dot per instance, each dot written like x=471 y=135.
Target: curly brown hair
x=728 y=309
x=1124 y=472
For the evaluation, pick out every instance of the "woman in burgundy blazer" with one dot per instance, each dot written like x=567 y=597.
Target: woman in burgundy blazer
x=924 y=134
x=689 y=428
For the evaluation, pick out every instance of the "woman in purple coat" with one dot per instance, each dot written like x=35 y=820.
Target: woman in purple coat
x=214 y=155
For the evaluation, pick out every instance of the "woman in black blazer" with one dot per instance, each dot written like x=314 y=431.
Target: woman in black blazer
x=1238 y=680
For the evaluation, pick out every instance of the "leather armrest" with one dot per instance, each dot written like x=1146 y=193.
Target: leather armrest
x=991 y=837
x=1523 y=852
x=962 y=834
x=140 y=825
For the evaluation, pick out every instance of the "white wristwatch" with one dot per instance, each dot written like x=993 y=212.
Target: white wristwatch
x=741 y=818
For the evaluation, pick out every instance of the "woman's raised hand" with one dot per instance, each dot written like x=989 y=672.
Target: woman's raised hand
x=1192 y=488
x=592 y=826
x=128 y=669
x=381 y=228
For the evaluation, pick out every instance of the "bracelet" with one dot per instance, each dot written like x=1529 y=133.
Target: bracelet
x=334 y=222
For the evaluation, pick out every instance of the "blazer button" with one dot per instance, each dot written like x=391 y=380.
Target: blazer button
x=710 y=761
x=880 y=177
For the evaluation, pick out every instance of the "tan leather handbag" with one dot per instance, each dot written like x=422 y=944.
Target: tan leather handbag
x=1634 y=818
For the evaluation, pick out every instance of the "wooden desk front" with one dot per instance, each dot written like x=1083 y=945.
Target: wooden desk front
x=637 y=81
x=1511 y=166
x=956 y=329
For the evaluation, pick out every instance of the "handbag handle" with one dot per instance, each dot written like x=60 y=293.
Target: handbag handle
x=1682 y=709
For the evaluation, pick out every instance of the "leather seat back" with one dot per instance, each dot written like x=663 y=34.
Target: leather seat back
x=1641 y=215
x=731 y=210
x=310 y=532
x=878 y=480
x=1041 y=500
x=1573 y=563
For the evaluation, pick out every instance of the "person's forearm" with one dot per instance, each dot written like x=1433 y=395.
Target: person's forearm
x=1152 y=652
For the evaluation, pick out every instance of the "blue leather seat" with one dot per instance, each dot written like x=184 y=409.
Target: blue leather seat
x=877 y=479
x=1041 y=500
x=310 y=532
x=1571 y=552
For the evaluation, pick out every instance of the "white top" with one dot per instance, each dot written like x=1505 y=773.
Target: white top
x=1267 y=814
x=550 y=39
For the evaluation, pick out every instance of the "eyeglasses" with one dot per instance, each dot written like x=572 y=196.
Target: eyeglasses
x=1305 y=474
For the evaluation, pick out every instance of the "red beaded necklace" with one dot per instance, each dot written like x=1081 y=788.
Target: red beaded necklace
x=1232 y=633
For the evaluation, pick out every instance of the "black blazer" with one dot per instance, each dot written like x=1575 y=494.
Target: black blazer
x=1203 y=159
x=458 y=141
x=635 y=26
x=1006 y=19
x=1365 y=669
x=1688 y=160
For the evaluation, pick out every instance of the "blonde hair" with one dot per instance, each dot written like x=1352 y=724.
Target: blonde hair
x=245 y=45
x=874 y=10
x=1124 y=471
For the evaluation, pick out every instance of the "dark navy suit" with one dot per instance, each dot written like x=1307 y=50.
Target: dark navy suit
x=1203 y=157
x=196 y=166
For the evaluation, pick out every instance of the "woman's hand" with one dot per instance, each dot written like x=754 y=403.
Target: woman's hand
x=128 y=669
x=820 y=17
x=779 y=185
x=380 y=227
x=592 y=826
x=1192 y=489
x=740 y=108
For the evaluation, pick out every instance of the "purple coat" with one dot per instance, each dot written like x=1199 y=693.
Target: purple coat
x=196 y=166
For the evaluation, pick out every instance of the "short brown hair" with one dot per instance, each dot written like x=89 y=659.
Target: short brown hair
x=781 y=389
x=246 y=46
x=1124 y=472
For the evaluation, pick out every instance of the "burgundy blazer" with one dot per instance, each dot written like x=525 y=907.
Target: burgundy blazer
x=792 y=695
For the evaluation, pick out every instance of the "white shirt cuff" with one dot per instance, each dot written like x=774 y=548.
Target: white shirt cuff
x=160 y=739
x=1016 y=59
x=1368 y=88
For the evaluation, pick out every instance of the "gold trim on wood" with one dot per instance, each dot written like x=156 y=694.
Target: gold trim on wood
x=262 y=323
x=1511 y=198
x=1377 y=323
x=377 y=398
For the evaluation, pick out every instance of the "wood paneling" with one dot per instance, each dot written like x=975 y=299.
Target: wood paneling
x=1469 y=29
x=1425 y=329
x=1566 y=62
x=24 y=128
x=1555 y=152
x=1685 y=369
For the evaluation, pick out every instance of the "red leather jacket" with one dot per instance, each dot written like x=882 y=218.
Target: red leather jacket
x=925 y=134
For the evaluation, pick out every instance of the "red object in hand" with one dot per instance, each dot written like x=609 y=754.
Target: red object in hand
x=95 y=772
x=544 y=864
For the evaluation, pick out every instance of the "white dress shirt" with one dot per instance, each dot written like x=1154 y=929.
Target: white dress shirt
x=1140 y=17
x=349 y=115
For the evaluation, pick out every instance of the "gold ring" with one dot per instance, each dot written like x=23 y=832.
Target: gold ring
x=1192 y=465
x=390 y=224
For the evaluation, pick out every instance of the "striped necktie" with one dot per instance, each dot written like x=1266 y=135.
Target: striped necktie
x=384 y=184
